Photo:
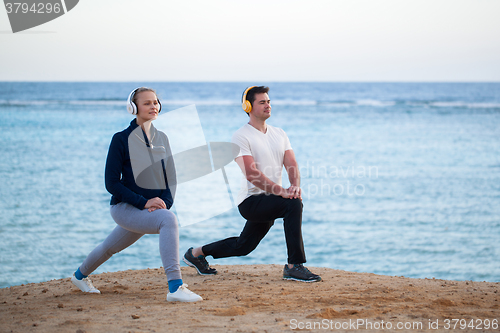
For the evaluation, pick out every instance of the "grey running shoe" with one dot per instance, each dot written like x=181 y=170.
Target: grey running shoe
x=299 y=273
x=200 y=263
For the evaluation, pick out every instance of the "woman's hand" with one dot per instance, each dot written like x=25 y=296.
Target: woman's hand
x=154 y=204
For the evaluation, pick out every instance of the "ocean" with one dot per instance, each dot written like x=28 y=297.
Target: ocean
x=399 y=179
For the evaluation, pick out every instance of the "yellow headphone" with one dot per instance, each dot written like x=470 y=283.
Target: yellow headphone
x=246 y=105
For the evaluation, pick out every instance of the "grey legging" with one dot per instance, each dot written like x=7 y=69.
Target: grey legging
x=133 y=223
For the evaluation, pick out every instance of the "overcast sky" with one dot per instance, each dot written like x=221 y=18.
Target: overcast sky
x=272 y=40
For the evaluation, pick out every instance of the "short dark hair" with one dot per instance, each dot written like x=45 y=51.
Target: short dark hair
x=254 y=91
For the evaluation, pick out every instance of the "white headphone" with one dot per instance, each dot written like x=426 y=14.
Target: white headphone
x=131 y=107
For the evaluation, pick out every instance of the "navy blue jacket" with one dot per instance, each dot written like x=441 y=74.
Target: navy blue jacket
x=119 y=176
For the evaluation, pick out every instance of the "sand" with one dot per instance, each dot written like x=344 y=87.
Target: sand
x=252 y=298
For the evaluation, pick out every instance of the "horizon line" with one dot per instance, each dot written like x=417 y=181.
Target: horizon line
x=243 y=81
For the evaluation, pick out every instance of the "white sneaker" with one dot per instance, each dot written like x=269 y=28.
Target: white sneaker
x=85 y=285
x=183 y=294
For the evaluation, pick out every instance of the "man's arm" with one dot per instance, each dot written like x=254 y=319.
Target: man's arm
x=256 y=177
x=292 y=169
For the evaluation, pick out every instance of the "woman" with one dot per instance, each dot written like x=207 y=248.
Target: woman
x=138 y=169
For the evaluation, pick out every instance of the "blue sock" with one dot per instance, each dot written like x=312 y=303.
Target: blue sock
x=173 y=285
x=79 y=274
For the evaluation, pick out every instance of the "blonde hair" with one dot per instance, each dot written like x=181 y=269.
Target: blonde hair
x=142 y=89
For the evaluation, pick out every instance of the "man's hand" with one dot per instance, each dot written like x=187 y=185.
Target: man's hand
x=294 y=192
x=283 y=193
x=154 y=204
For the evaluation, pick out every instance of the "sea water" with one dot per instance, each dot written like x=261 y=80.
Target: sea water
x=397 y=178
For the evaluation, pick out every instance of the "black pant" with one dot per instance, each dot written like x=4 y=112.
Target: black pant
x=260 y=211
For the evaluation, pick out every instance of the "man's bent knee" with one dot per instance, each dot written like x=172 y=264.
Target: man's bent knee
x=295 y=204
x=245 y=249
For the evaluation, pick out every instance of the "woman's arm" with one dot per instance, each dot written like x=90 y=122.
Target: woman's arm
x=169 y=173
x=113 y=173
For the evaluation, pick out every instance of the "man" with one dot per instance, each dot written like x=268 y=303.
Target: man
x=264 y=150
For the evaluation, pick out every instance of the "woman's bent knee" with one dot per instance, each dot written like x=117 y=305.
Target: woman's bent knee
x=167 y=218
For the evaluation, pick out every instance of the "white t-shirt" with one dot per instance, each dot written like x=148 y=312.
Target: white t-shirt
x=268 y=151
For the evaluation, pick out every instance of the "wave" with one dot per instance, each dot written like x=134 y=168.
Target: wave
x=107 y=102
x=362 y=102
x=284 y=102
x=459 y=104
x=57 y=102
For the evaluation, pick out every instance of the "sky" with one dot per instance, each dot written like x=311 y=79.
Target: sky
x=272 y=40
